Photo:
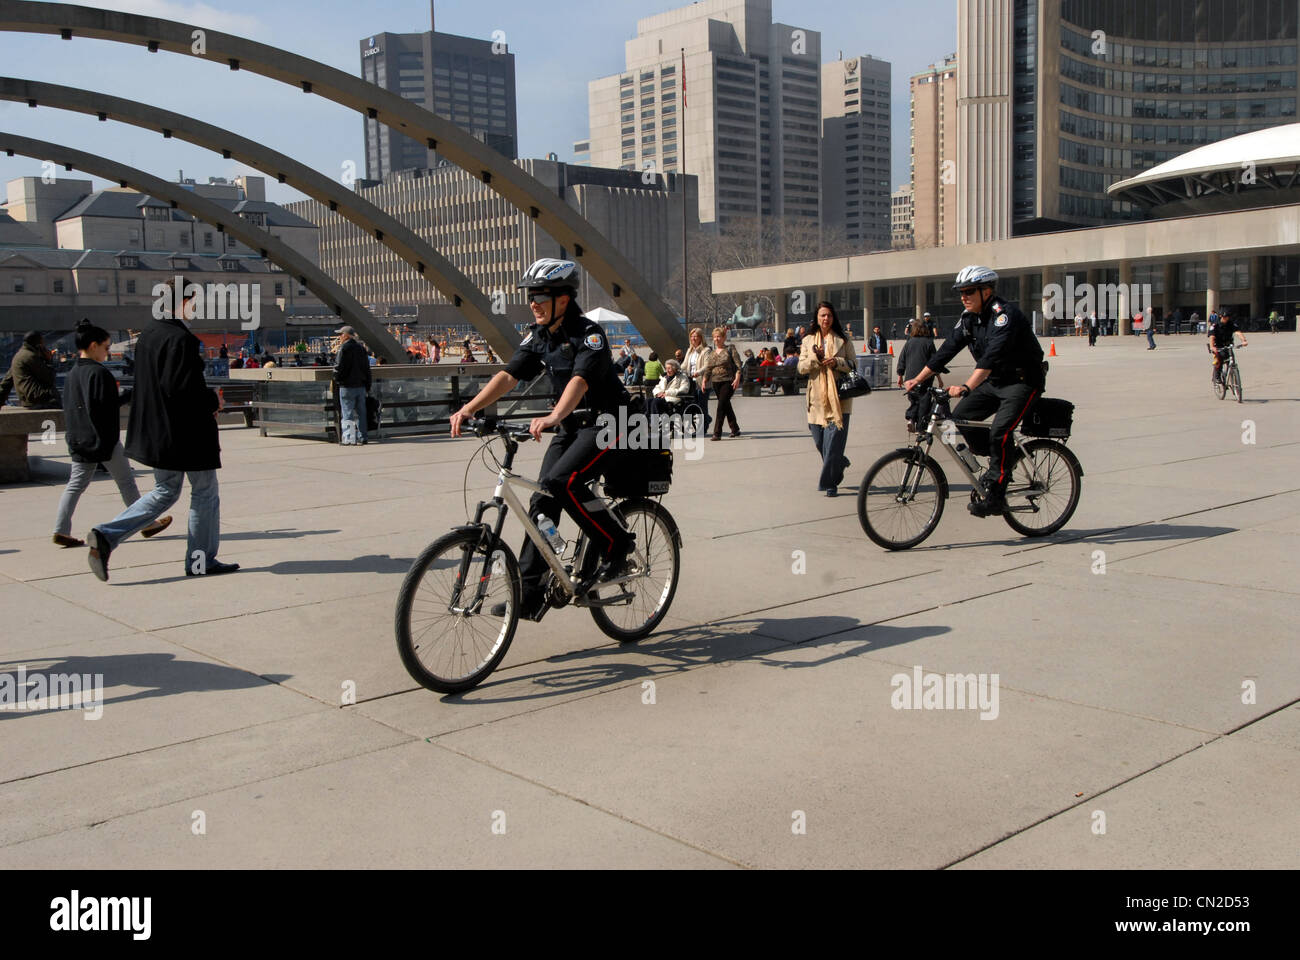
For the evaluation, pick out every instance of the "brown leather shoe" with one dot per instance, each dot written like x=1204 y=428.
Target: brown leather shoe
x=63 y=541
x=157 y=527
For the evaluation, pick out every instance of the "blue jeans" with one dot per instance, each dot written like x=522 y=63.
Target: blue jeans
x=352 y=407
x=205 y=513
x=82 y=474
x=830 y=441
x=1151 y=336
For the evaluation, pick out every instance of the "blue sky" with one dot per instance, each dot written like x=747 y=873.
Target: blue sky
x=558 y=49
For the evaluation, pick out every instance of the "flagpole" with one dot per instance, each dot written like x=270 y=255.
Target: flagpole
x=686 y=310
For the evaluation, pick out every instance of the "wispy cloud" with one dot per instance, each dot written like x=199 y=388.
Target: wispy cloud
x=198 y=13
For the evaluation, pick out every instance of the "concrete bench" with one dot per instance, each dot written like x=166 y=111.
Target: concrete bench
x=17 y=424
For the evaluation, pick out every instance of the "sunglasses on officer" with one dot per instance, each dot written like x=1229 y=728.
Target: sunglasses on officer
x=540 y=297
x=968 y=291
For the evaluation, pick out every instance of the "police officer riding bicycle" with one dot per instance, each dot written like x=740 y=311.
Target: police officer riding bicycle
x=1008 y=376
x=1221 y=335
x=575 y=352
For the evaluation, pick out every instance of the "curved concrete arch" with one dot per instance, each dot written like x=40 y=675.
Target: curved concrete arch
x=647 y=310
x=278 y=252
x=432 y=265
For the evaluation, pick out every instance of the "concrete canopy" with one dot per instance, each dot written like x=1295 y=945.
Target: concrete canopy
x=432 y=265
x=647 y=309
x=278 y=252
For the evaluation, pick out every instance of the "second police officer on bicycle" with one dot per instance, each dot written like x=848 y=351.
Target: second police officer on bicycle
x=1007 y=379
x=1221 y=333
x=575 y=352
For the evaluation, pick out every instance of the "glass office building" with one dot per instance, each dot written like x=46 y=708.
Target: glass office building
x=1105 y=89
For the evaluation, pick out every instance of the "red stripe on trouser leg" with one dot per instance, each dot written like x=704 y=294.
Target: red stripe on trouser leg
x=1002 y=473
x=568 y=487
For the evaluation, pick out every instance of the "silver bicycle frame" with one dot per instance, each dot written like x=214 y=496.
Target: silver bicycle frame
x=506 y=482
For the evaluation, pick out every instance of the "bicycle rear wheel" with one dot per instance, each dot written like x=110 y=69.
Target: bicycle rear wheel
x=443 y=646
x=1044 y=489
x=659 y=544
x=902 y=498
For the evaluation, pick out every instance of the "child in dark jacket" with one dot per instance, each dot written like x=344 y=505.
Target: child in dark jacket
x=92 y=421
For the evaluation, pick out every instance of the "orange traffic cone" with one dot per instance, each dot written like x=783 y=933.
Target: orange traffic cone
x=1052 y=351
x=891 y=348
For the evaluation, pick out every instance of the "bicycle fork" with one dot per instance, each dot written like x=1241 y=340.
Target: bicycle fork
x=487 y=536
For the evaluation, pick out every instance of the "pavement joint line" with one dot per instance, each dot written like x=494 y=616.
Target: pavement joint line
x=590 y=805
x=1175 y=546
x=1207 y=456
x=820 y=596
x=195 y=796
x=1169 y=576
x=144 y=750
x=780 y=526
x=1146 y=523
x=1023 y=566
x=1115 y=786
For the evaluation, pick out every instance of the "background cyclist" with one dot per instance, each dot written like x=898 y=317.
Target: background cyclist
x=1219 y=337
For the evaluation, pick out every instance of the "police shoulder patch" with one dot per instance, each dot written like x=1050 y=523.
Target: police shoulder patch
x=594 y=342
x=997 y=308
x=1000 y=322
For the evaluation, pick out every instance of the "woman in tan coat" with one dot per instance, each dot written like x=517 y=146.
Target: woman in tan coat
x=827 y=354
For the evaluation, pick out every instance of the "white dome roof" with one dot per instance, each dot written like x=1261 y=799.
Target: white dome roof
x=1266 y=147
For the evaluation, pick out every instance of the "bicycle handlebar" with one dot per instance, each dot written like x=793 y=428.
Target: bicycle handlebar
x=482 y=426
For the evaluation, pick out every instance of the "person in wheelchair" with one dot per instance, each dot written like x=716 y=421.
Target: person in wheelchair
x=1008 y=377
x=575 y=352
x=672 y=391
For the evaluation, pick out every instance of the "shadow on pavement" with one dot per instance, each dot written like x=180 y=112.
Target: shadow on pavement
x=373 y=563
x=160 y=674
x=1148 y=533
x=725 y=644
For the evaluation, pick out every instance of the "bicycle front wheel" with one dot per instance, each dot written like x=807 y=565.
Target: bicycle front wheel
x=449 y=642
x=1234 y=382
x=1219 y=383
x=902 y=498
x=1044 y=489
x=658 y=544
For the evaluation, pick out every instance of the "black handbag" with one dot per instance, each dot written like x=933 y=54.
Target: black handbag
x=853 y=385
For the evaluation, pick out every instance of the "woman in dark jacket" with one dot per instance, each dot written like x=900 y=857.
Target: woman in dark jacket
x=92 y=422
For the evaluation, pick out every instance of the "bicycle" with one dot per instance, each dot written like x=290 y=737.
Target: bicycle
x=447 y=636
x=902 y=496
x=1227 y=376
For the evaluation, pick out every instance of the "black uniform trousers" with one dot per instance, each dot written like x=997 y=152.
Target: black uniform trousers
x=572 y=461
x=1008 y=405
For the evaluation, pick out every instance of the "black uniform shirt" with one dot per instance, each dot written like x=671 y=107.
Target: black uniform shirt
x=1001 y=340
x=1222 y=332
x=579 y=348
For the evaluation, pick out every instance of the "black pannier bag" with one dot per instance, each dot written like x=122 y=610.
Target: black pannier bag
x=638 y=473
x=1049 y=417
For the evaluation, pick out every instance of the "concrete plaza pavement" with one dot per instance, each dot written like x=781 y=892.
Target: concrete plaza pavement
x=1161 y=696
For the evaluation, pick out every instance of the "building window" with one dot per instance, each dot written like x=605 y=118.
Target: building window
x=130 y=286
x=279 y=289
x=58 y=286
x=20 y=284
x=102 y=284
x=135 y=235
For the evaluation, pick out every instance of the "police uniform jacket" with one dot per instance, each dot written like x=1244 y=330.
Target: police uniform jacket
x=578 y=348
x=1001 y=340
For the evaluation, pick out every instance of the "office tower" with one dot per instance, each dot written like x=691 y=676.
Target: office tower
x=1066 y=97
x=751 y=96
x=856 y=145
x=469 y=82
x=901 y=218
x=934 y=155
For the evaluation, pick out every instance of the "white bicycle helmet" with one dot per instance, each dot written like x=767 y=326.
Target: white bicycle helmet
x=974 y=276
x=551 y=274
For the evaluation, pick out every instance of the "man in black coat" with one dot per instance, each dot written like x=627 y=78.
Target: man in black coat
x=352 y=374
x=32 y=372
x=172 y=428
